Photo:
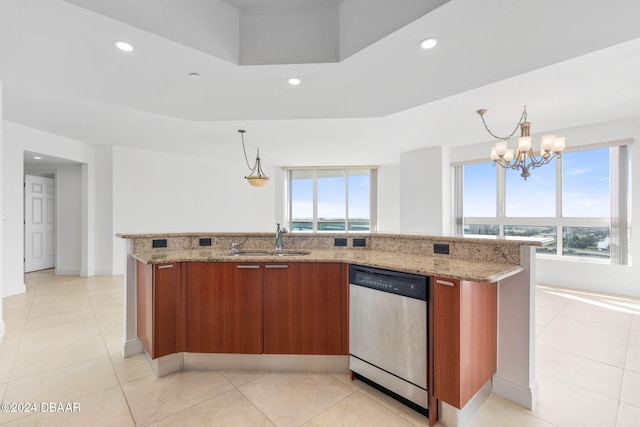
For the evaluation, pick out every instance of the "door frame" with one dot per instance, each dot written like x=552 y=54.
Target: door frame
x=43 y=174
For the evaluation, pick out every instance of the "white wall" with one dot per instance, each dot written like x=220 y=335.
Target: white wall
x=159 y=192
x=389 y=198
x=616 y=279
x=425 y=191
x=2 y=327
x=13 y=238
x=69 y=222
x=105 y=264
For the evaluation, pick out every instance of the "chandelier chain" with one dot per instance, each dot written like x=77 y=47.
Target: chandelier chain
x=523 y=119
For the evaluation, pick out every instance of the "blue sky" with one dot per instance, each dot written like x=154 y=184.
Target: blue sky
x=585 y=188
x=331 y=196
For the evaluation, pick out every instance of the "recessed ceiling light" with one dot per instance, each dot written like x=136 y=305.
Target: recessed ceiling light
x=123 y=46
x=37 y=157
x=294 y=81
x=195 y=76
x=428 y=43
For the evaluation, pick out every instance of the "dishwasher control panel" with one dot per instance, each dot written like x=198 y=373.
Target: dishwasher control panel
x=395 y=282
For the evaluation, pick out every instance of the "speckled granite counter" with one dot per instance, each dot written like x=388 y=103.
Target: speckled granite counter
x=420 y=264
x=478 y=259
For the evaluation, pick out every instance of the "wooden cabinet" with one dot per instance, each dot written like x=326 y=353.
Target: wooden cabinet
x=160 y=308
x=245 y=308
x=224 y=303
x=463 y=339
x=304 y=308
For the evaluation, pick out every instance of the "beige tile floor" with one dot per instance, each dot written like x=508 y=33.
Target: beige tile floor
x=63 y=344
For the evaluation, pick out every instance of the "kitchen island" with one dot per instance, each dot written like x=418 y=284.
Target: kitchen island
x=505 y=263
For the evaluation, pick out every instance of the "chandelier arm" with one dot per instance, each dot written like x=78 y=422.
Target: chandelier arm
x=543 y=160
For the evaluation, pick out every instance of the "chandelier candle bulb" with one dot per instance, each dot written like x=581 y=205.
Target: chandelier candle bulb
x=547 y=144
x=524 y=144
x=559 y=144
x=501 y=148
x=494 y=155
x=508 y=155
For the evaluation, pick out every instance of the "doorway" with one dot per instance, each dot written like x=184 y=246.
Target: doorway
x=65 y=241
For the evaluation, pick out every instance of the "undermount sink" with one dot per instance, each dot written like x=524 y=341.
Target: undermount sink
x=268 y=253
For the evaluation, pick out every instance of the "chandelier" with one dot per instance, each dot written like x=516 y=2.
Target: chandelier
x=523 y=158
x=256 y=177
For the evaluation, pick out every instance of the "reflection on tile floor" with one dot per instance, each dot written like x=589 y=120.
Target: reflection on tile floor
x=63 y=344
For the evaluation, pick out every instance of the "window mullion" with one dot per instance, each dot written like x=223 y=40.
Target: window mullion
x=346 y=199
x=289 y=193
x=559 y=189
x=501 y=194
x=458 y=200
x=618 y=190
x=373 y=200
x=315 y=200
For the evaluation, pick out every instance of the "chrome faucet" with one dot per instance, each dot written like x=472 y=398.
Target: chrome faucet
x=234 y=248
x=279 y=232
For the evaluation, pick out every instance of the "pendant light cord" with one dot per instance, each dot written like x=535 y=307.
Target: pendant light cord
x=246 y=159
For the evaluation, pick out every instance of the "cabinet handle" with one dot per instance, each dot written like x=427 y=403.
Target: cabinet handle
x=165 y=266
x=248 y=266
x=276 y=266
x=444 y=282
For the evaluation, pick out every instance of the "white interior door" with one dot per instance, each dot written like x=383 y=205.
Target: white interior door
x=40 y=223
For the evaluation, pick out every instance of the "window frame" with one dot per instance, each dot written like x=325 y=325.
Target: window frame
x=373 y=199
x=618 y=222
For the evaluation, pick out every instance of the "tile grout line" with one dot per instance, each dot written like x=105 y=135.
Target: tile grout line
x=104 y=342
x=15 y=356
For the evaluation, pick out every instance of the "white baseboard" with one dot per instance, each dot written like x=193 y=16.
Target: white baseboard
x=18 y=288
x=62 y=272
x=131 y=347
x=450 y=416
x=517 y=393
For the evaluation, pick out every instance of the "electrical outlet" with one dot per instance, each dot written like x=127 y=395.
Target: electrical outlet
x=441 y=248
x=359 y=242
x=340 y=241
x=159 y=243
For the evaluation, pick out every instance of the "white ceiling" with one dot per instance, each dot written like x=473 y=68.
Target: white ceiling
x=244 y=4
x=571 y=62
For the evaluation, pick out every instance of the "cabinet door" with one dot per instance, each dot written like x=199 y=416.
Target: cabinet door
x=303 y=308
x=464 y=338
x=224 y=303
x=166 y=308
x=446 y=340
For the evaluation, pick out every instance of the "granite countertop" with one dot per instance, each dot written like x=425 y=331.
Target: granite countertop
x=505 y=240
x=418 y=264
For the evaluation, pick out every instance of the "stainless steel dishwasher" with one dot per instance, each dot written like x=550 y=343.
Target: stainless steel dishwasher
x=388 y=330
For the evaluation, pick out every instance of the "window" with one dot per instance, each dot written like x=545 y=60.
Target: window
x=331 y=199
x=581 y=201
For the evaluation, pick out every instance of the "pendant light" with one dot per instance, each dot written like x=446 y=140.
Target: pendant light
x=256 y=177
